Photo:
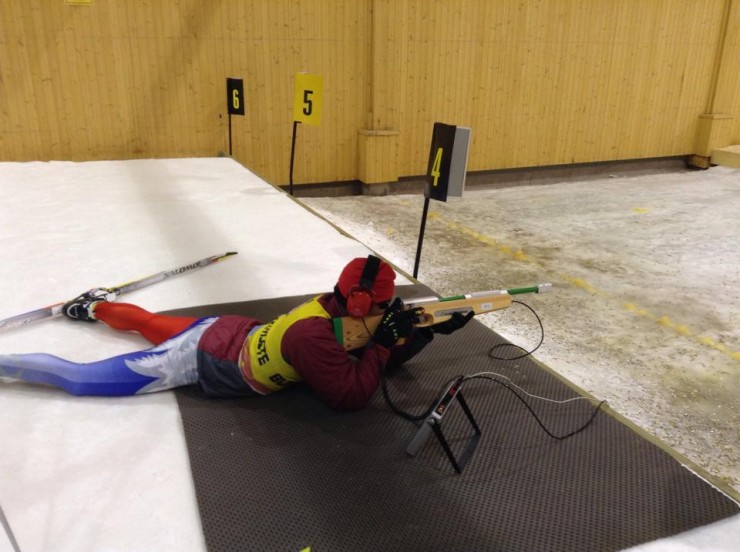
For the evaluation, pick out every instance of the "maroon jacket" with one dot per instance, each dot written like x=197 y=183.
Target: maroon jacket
x=346 y=381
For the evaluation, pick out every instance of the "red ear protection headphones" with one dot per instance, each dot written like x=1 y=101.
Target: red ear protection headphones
x=361 y=297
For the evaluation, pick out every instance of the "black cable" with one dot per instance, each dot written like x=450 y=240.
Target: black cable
x=402 y=413
x=534 y=414
x=406 y=415
x=526 y=353
x=384 y=387
x=418 y=417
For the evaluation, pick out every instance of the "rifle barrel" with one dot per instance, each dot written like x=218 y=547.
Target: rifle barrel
x=539 y=288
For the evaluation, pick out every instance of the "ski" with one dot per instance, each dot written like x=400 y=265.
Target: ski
x=56 y=309
x=8 y=531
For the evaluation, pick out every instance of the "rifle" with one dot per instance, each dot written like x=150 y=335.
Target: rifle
x=353 y=333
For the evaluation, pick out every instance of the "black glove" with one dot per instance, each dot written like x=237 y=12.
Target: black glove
x=455 y=322
x=396 y=323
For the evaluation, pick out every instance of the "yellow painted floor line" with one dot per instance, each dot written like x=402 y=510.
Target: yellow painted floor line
x=519 y=255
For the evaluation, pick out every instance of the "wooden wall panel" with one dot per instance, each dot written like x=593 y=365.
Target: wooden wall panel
x=540 y=82
x=726 y=98
x=117 y=80
x=560 y=81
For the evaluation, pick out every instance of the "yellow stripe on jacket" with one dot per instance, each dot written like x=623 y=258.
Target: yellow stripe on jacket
x=265 y=365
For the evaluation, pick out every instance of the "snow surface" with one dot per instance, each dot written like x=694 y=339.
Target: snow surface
x=113 y=474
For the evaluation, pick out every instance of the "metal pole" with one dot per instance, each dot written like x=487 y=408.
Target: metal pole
x=229 y=133
x=292 y=154
x=421 y=236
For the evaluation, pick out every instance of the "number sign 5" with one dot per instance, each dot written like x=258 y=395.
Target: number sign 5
x=308 y=98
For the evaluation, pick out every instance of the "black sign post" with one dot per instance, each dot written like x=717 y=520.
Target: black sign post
x=445 y=177
x=234 y=100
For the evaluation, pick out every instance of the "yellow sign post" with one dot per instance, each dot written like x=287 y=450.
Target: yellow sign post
x=308 y=103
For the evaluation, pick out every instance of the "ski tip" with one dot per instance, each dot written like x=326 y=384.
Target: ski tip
x=229 y=253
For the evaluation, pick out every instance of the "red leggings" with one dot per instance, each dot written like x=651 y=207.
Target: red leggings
x=154 y=327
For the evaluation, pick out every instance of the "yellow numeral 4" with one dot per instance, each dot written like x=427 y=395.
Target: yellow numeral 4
x=436 y=166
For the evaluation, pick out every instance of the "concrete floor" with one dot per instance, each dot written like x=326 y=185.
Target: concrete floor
x=645 y=310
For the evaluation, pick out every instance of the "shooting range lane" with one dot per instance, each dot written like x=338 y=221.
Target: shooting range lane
x=115 y=474
x=645 y=265
x=283 y=472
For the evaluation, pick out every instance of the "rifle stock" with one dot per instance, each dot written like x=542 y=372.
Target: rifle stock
x=353 y=333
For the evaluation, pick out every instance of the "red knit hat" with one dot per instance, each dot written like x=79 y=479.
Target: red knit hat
x=383 y=287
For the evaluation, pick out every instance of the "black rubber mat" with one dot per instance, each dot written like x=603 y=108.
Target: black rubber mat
x=285 y=472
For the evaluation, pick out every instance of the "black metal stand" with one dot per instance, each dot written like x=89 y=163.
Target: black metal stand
x=459 y=464
x=434 y=424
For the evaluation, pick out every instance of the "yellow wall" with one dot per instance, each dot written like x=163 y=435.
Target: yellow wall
x=552 y=82
x=540 y=82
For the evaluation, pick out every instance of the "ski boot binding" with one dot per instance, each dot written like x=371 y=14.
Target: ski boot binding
x=82 y=307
